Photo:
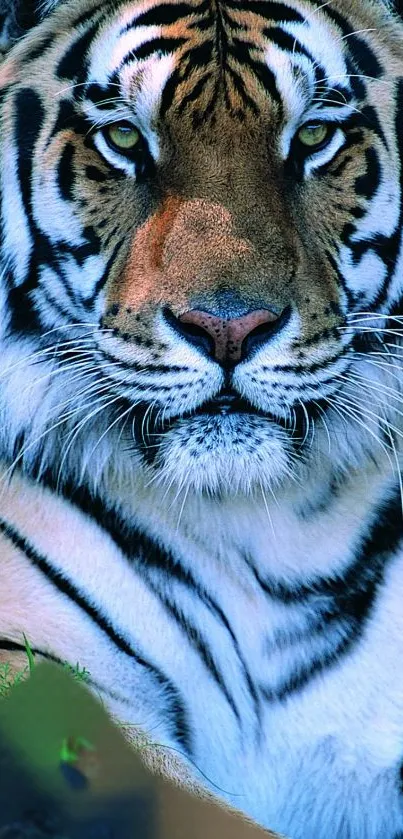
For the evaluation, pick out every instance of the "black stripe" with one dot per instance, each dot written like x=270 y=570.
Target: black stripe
x=200 y=117
x=81 y=253
x=338 y=171
x=355 y=80
x=28 y=121
x=373 y=552
x=4 y=92
x=195 y=93
x=393 y=246
x=54 y=302
x=29 y=118
x=241 y=88
x=341 y=279
x=273 y=11
x=287 y=42
x=73 y=65
x=303 y=675
x=305 y=383
x=12 y=646
x=264 y=75
x=69 y=117
x=24 y=317
x=39 y=47
x=169 y=91
x=345 y=602
x=307 y=368
x=140 y=549
x=369 y=118
x=338 y=19
x=240 y=50
x=317 y=338
x=165 y=14
x=388 y=248
x=267 y=79
x=100 y=96
x=103 y=279
x=198 y=56
x=93 y=173
x=197 y=642
x=340 y=96
x=87 y=15
x=127 y=366
x=200 y=24
x=364 y=57
x=162 y=44
x=367 y=185
x=65 y=172
x=26 y=133
x=67 y=589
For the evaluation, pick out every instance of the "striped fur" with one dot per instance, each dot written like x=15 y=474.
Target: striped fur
x=230 y=573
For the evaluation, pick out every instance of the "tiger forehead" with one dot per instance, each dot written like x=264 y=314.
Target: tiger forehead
x=254 y=55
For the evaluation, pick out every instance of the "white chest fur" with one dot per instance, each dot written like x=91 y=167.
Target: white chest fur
x=289 y=709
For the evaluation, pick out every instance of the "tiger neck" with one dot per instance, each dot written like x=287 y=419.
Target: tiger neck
x=277 y=587
x=309 y=532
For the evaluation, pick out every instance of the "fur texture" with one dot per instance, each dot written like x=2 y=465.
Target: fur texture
x=218 y=541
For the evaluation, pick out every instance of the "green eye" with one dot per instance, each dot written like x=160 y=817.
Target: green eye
x=122 y=136
x=314 y=135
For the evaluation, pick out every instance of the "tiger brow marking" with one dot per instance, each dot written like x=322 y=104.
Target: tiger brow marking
x=166 y=14
x=269 y=10
x=362 y=54
x=216 y=44
x=74 y=63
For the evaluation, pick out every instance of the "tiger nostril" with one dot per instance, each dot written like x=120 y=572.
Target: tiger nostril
x=194 y=333
x=265 y=331
x=227 y=340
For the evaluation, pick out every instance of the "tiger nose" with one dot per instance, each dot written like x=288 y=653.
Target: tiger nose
x=229 y=340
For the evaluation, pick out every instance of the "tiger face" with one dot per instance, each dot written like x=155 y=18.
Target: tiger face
x=201 y=216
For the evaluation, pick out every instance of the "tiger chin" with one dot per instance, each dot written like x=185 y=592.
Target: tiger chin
x=201 y=387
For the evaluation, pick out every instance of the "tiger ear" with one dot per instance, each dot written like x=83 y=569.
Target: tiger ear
x=17 y=17
x=397 y=7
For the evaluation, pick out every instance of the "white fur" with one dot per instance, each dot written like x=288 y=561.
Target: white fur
x=226 y=493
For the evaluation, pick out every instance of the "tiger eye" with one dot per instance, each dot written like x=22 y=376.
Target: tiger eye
x=314 y=135
x=123 y=136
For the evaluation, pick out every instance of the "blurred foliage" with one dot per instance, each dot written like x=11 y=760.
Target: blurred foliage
x=67 y=771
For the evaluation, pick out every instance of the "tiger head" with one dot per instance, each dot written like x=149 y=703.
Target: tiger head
x=201 y=210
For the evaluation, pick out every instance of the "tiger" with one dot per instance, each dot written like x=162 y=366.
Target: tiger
x=201 y=388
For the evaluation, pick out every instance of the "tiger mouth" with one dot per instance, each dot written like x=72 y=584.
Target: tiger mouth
x=225 y=404
x=229 y=402
x=154 y=428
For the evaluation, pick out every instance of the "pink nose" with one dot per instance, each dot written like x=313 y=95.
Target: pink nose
x=228 y=335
